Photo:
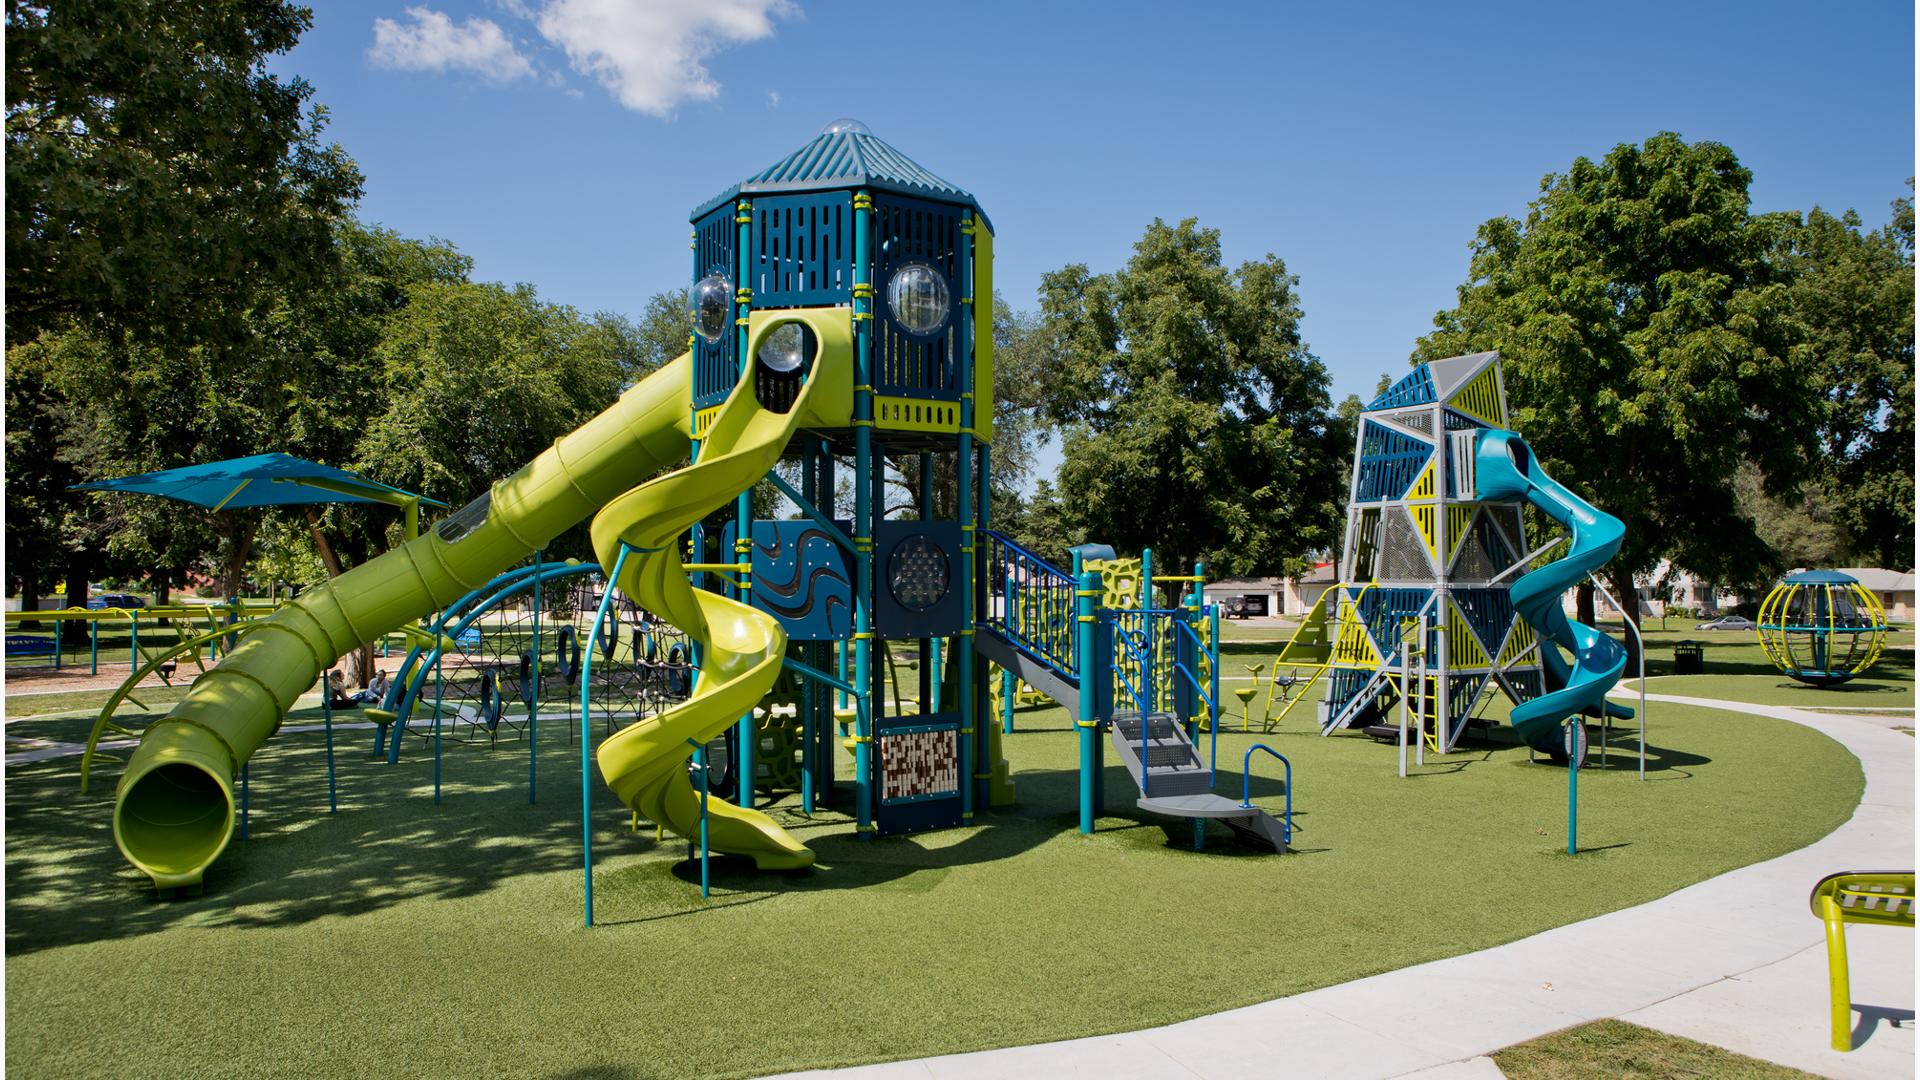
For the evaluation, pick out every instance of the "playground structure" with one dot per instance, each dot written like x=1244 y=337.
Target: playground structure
x=1822 y=627
x=1436 y=606
x=834 y=321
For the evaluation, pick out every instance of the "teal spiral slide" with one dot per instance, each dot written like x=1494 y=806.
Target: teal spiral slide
x=1505 y=468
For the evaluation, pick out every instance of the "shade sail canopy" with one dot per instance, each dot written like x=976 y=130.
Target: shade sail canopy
x=260 y=480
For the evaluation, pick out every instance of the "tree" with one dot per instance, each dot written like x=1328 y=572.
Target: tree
x=159 y=177
x=1649 y=348
x=665 y=328
x=478 y=379
x=1196 y=420
x=1853 y=292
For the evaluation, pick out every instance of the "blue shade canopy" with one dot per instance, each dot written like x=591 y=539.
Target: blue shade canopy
x=260 y=480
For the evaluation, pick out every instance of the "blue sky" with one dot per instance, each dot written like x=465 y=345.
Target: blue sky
x=562 y=142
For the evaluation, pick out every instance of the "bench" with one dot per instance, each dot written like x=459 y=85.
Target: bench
x=1839 y=899
x=28 y=645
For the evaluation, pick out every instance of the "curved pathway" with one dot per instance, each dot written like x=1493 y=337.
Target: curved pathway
x=1737 y=961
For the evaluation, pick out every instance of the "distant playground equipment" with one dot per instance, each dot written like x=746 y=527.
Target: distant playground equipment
x=1841 y=899
x=1822 y=627
x=1436 y=608
x=835 y=320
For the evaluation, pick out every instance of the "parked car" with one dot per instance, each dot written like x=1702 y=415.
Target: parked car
x=116 y=600
x=1727 y=622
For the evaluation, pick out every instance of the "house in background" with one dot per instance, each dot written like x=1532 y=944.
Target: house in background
x=1892 y=588
x=1269 y=597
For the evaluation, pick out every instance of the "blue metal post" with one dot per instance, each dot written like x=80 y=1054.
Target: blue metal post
x=1087 y=587
x=56 y=643
x=973 y=720
x=1149 y=685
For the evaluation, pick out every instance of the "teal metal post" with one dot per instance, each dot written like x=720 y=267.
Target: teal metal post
x=93 y=648
x=747 y=734
x=1009 y=689
x=533 y=697
x=326 y=717
x=928 y=684
x=133 y=628
x=1087 y=587
x=56 y=643
x=439 y=686
x=586 y=729
x=865 y=701
x=1573 y=788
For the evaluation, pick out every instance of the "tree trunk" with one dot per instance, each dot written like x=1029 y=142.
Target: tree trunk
x=239 y=536
x=76 y=598
x=359 y=661
x=1625 y=591
x=1583 y=601
x=29 y=601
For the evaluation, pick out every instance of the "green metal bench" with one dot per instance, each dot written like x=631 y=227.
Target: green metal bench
x=1839 y=899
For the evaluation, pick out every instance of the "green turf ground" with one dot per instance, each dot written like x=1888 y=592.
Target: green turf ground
x=400 y=937
x=1615 y=1050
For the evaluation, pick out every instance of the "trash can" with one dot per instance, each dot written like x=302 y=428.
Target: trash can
x=1689 y=658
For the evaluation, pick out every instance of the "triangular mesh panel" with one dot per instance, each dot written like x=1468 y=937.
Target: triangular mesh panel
x=1403 y=553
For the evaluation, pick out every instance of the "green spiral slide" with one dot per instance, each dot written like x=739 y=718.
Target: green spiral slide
x=1505 y=468
x=741 y=648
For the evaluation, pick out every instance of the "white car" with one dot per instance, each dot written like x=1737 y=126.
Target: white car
x=1727 y=622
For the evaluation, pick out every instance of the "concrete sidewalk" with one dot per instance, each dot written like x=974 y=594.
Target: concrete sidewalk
x=1737 y=961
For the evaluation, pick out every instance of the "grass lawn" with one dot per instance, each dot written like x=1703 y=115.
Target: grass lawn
x=1615 y=1050
x=1737 y=669
x=445 y=940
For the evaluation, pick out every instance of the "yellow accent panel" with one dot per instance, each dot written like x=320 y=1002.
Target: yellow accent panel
x=1459 y=516
x=1423 y=487
x=1354 y=647
x=914 y=414
x=982 y=331
x=1519 y=641
x=1423 y=519
x=703 y=420
x=1480 y=398
x=1463 y=647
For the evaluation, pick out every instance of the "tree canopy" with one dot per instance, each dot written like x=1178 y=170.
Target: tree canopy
x=1195 y=420
x=1649 y=348
x=159 y=177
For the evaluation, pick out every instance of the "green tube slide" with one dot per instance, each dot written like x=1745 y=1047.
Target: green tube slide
x=174 y=809
x=1505 y=468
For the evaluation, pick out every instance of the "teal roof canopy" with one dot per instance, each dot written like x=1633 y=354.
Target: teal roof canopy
x=260 y=480
x=845 y=155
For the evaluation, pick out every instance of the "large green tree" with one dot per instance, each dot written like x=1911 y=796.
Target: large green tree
x=1853 y=293
x=159 y=176
x=1649 y=348
x=1195 y=419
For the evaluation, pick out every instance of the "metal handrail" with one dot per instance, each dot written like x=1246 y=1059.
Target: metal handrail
x=1031 y=582
x=1246 y=787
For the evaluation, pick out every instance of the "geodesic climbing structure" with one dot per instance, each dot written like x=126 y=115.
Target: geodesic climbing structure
x=1427 y=565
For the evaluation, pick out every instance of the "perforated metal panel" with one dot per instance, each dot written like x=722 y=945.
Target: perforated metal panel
x=1403 y=554
x=802 y=250
x=1389 y=462
x=914 y=231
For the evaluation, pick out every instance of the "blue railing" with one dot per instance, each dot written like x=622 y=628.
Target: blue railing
x=1208 y=693
x=1246 y=787
x=1037 y=603
x=1134 y=643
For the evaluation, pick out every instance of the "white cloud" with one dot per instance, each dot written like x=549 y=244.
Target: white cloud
x=649 y=53
x=773 y=99
x=433 y=43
